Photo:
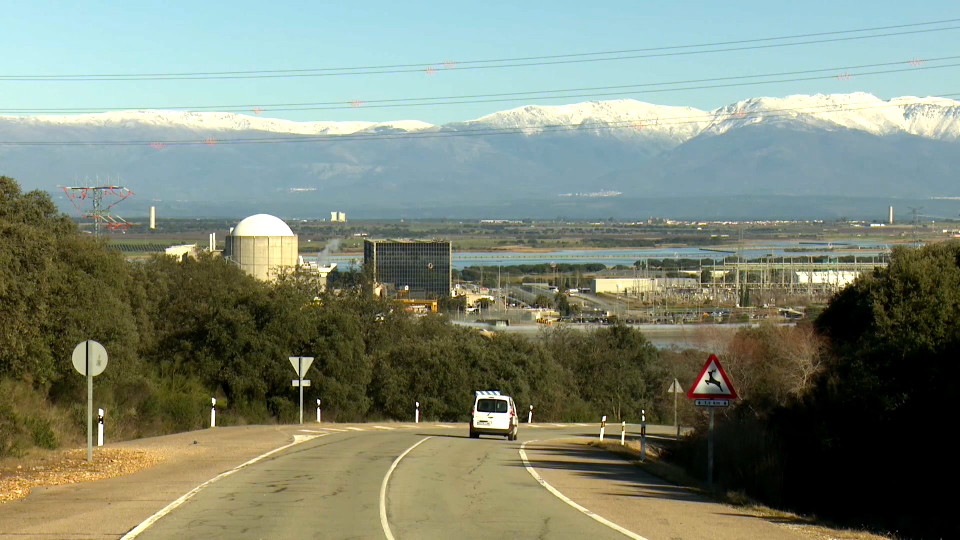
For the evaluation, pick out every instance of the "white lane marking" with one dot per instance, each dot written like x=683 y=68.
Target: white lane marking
x=310 y=431
x=382 y=427
x=333 y=429
x=136 y=531
x=564 y=498
x=383 y=490
x=559 y=425
x=443 y=426
x=582 y=425
x=533 y=425
x=355 y=428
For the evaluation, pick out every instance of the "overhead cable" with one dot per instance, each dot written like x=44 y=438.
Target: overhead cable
x=628 y=89
x=448 y=65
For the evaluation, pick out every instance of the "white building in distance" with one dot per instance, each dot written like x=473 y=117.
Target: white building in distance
x=262 y=245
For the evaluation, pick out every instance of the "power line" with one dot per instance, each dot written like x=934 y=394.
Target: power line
x=475 y=132
x=576 y=58
x=511 y=96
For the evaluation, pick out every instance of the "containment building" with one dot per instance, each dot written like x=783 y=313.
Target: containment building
x=262 y=245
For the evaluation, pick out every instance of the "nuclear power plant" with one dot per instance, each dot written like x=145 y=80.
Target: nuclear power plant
x=262 y=245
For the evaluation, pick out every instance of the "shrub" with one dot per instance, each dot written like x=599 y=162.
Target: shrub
x=41 y=432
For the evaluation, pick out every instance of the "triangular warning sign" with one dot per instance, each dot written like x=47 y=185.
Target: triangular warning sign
x=712 y=383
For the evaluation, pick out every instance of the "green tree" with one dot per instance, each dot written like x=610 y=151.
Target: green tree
x=542 y=301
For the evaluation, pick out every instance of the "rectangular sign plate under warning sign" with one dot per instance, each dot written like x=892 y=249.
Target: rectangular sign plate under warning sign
x=712 y=402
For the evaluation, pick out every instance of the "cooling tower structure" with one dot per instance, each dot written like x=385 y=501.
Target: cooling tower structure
x=262 y=245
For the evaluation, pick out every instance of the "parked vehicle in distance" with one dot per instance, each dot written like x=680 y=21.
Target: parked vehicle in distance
x=493 y=414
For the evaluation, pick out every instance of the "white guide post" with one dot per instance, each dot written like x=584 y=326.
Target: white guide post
x=643 y=435
x=99 y=427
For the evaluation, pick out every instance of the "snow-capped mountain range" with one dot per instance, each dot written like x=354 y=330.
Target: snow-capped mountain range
x=930 y=117
x=841 y=145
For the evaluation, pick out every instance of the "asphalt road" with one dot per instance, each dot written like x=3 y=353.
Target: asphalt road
x=436 y=483
x=395 y=482
x=450 y=486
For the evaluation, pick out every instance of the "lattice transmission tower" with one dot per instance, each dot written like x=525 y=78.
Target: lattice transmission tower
x=915 y=212
x=100 y=214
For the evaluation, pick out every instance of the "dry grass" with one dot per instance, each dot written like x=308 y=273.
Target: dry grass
x=54 y=468
x=674 y=474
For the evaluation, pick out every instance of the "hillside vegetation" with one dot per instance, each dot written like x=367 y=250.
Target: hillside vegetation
x=865 y=439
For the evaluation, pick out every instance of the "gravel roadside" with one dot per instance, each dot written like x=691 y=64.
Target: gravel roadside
x=127 y=483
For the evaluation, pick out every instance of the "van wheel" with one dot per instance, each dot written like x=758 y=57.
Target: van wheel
x=474 y=434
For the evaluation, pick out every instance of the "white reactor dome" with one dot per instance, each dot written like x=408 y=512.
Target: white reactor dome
x=262 y=225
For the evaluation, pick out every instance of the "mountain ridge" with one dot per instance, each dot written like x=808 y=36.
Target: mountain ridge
x=929 y=117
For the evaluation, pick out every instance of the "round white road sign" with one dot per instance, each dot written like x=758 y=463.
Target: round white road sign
x=98 y=357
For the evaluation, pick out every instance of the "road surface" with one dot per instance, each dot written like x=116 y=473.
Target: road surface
x=433 y=482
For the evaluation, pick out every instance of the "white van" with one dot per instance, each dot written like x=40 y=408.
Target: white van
x=493 y=414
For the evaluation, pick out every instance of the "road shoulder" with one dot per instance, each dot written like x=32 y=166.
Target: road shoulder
x=637 y=501
x=110 y=507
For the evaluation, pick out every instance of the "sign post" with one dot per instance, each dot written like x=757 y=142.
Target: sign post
x=676 y=390
x=301 y=364
x=711 y=389
x=89 y=359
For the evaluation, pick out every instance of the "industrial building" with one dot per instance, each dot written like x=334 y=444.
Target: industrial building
x=410 y=268
x=638 y=285
x=181 y=252
x=322 y=271
x=262 y=245
x=338 y=217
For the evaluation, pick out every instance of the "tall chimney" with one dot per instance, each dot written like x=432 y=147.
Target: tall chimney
x=891 y=215
x=153 y=218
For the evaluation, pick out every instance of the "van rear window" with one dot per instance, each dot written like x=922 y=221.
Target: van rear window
x=492 y=405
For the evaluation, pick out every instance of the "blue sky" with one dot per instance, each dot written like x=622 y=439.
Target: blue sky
x=58 y=37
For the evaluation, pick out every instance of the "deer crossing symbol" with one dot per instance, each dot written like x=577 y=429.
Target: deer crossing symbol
x=711 y=380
